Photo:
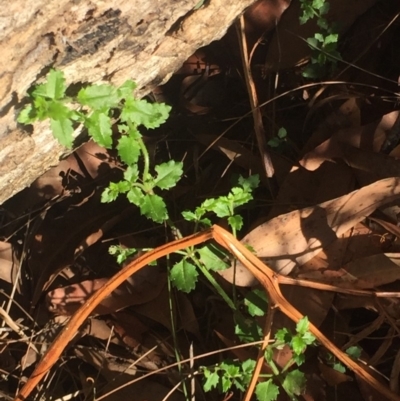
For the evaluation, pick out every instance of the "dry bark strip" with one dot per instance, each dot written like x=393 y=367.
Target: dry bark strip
x=269 y=279
x=91 y=41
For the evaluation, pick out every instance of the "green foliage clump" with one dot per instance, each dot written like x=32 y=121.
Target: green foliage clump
x=94 y=108
x=234 y=374
x=324 y=44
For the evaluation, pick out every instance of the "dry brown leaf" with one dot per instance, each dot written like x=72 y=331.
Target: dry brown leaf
x=369 y=137
x=142 y=287
x=294 y=238
x=303 y=188
x=7 y=262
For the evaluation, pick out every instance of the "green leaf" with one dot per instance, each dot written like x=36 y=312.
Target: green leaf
x=212 y=380
x=354 y=351
x=339 y=367
x=236 y=222
x=274 y=142
x=267 y=391
x=121 y=253
x=249 y=183
x=239 y=197
x=132 y=174
x=128 y=149
x=126 y=89
x=226 y=383
x=54 y=88
x=256 y=302
x=212 y=257
x=189 y=216
x=141 y=112
x=98 y=97
x=135 y=196
x=99 y=128
x=110 y=194
x=282 y=133
x=57 y=111
x=62 y=131
x=308 y=338
x=154 y=208
x=283 y=336
x=298 y=345
x=313 y=43
x=27 y=115
x=220 y=206
x=168 y=174
x=332 y=38
x=184 y=276
x=294 y=382
x=302 y=325
x=248 y=366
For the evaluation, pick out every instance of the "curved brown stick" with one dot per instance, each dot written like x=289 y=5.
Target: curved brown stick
x=268 y=279
x=72 y=326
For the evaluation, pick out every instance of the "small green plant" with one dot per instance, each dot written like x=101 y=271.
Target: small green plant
x=324 y=43
x=99 y=108
x=330 y=360
x=94 y=107
x=234 y=374
x=278 y=140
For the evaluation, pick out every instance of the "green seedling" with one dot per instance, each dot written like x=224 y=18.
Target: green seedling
x=324 y=44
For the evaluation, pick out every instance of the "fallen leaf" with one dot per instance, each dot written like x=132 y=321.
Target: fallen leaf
x=294 y=238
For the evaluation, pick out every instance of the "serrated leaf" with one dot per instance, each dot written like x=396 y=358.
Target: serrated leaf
x=220 y=206
x=332 y=38
x=135 y=196
x=132 y=174
x=99 y=97
x=235 y=222
x=298 y=345
x=128 y=150
x=267 y=391
x=154 y=208
x=294 y=382
x=226 y=384
x=248 y=366
x=256 y=302
x=212 y=257
x=308 y=338
x=212 y=380
x=57 y=111
x=249 y=183
x=110 y=194
x=283 y=336
x=27 y=115
x=62 y=131
x=189 y=216
x=141 y=112
x=54 y=87
x=126 y=89
x=99 y=128
x=184 y=276
x=168 y=174
x=302 y=325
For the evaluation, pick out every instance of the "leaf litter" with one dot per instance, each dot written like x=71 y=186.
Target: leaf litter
x=333 y=219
